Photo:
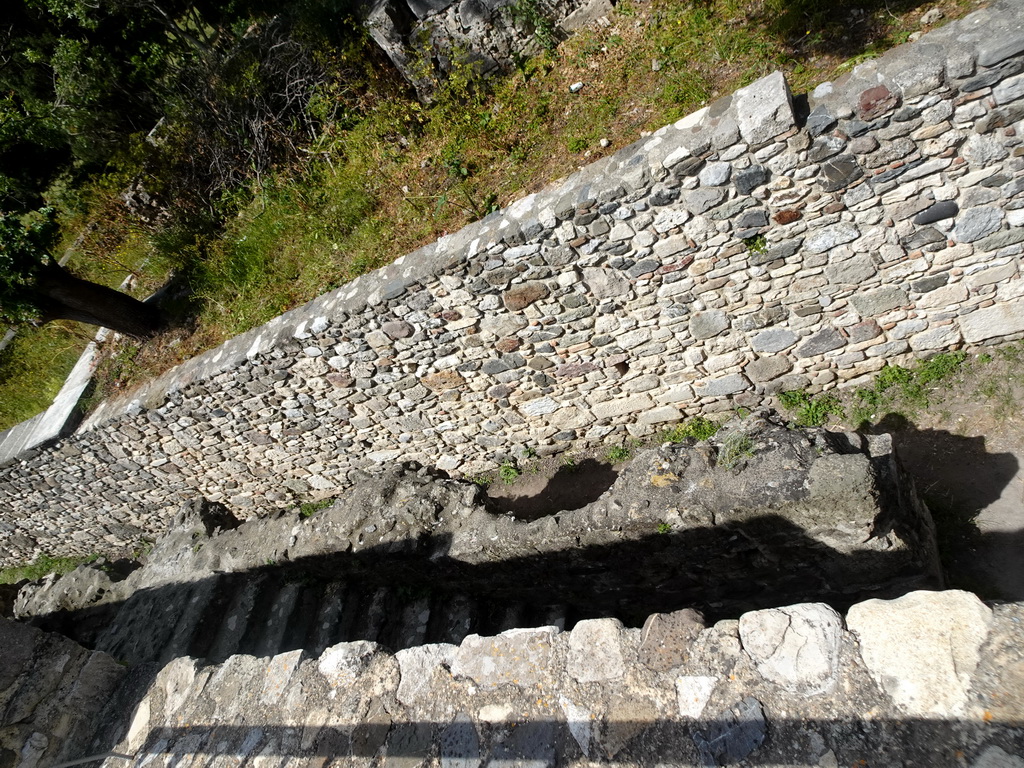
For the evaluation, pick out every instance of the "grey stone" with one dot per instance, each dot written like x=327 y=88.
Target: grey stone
x=983 y=151
x=595 y=651
x=774 y=340
x=1000 y=240
x=825 y=147
x=944 y=209
x=1010 y=89
x=722 y=386
x=606 y=283
x=840 y=172
x=795 y=647
x=930 y=283
x=993 y=322
x=923 y=237
x=829 y=237
x=879 y=301
x=851 y=271
x=749 y=179
x=820 y=120
x=1001 y=43
x=398 y=329
x=752 y=219
x=715 y=174
x=734 y=734
x=975 y=223
x=702 y=199
x=825 y=340
x=764 y=109
x=704 y=325
x=767 y=368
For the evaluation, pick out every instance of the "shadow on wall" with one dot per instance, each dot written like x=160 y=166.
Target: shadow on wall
x=723 y=740
x=960 y=480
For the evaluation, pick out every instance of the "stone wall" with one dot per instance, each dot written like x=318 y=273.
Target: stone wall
x=741 y=251
x=931 y=678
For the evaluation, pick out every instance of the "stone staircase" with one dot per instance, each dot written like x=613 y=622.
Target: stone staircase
x=409 y=558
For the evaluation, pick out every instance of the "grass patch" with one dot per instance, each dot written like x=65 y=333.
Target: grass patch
x=33 y=368
x=619 y=453
x=509 y=472
x=43 y=566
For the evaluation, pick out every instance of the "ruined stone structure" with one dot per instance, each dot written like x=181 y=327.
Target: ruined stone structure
x=744 y=250
x=426 y=39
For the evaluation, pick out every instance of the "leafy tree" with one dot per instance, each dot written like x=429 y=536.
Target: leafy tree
x=35 y=288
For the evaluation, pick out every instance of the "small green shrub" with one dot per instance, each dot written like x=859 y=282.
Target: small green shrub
x=756 y=244
x=664 y=528
x=43 y=566
x=508 y=472
x=619 y=453
x=310 y=508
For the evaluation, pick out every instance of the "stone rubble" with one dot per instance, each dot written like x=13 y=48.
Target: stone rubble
x=719 y=261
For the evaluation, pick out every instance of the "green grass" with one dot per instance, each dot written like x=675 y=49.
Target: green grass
x=735 y=448
x=43 y=566
x=812 y=410
x=619 y=453
x=33 y=368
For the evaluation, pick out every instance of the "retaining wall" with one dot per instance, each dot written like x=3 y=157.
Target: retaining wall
x=737 y=253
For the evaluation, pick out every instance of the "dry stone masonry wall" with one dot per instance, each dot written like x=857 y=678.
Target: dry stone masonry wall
x=742 y=251
x=929 y=679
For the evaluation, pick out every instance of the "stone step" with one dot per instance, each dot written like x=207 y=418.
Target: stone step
x=268 y=639
x=327 y=624
x=236 y=621
x=190 y=621
x=454 y=617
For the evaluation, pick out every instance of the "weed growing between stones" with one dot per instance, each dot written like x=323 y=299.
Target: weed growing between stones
x=508 y=472
x=697 y=428
x=735 y=448
x=664 y=528
x=310 y=508
x=912 y=387
x=756 y=244
x=619 y=453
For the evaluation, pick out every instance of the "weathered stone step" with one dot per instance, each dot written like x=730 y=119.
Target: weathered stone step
x=236 y=621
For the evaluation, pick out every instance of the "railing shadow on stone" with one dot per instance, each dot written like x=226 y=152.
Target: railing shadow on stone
x=725 y=740
x=723 y=571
